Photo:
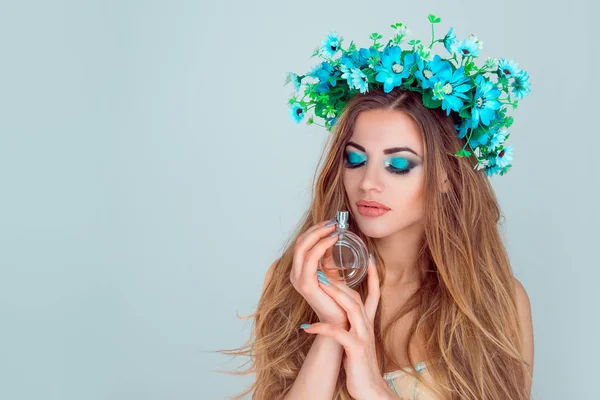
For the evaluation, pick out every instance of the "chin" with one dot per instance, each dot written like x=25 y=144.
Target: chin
x=377 y=227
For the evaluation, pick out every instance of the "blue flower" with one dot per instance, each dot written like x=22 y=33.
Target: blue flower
x=368 y=54
x=359 y=80
x=450 y=41
x=356 y=59
x=297 y=113
x=520 y=85
x=504 y=157
x=498 y=138
x=331 y=121
x=464 y=127
x=331 y=44
x=292 y=77
x=468 y=47
x=507 y=68
x=485 y=102
x=427 y=72
x=392 y=69
x=450 y=88
x=492 y=169
x=326 y=75
x=346 y=68
x=355 y=77
x=480 y=137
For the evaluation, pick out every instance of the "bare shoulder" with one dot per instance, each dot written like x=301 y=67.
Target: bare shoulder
x=524 y=310
x=522 y=296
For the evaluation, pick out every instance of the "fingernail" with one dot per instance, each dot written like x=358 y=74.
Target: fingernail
x=304 y=326
x=331 y=222
x=372 y=258
x=321 y=273
x=322 y=279
x=332 y=234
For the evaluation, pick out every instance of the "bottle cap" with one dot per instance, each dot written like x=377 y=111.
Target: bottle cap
x=342 y=219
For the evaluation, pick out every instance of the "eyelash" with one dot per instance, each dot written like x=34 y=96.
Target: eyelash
x=393 y=170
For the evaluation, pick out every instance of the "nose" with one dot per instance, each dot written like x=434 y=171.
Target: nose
x=371 y=178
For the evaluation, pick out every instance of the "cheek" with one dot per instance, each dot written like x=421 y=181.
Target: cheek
x=350 y=181
x=409 y=197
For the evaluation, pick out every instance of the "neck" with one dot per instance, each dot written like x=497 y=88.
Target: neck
x=399 y=252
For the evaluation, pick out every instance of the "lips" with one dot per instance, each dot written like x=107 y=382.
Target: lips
x=374 y=204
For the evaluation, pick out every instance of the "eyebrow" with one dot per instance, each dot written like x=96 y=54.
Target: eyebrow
x=385 y=151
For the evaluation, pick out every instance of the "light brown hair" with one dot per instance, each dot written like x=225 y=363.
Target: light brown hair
x=466 y=308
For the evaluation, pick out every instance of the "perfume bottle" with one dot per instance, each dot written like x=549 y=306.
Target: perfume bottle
x=348 y=259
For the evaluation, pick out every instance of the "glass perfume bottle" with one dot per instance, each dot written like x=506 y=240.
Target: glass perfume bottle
x=348 y=259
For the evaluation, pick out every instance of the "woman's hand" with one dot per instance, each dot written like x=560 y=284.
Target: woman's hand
x=308 y=250
x=363 y=377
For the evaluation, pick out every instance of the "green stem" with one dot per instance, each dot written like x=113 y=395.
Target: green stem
x=432 y=36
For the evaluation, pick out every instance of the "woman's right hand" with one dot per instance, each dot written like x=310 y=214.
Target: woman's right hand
x=308 y=250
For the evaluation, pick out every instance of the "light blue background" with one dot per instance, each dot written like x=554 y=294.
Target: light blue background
x=150 y=174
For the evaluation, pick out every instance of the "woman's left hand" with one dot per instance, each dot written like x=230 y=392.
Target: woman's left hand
x=363 y=377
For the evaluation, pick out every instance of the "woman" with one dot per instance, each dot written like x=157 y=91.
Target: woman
x=440 y=315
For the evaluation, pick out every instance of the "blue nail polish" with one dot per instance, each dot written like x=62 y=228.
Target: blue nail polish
x=321 y=273
x=304 y=326
x=372 y=258
x=322 y=279
x=333 y=222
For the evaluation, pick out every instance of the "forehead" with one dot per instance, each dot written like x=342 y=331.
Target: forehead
x=379 y=129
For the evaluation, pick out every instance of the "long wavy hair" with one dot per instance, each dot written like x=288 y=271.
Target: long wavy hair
x=465 y=307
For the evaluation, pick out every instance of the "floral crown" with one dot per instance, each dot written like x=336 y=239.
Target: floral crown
x=459 y=87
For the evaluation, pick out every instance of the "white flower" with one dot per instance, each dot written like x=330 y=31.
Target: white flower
x=424 y=52
x=498 y=138
x=491 y=63
x=481 y=164
x=403 y=31
x=479 y=42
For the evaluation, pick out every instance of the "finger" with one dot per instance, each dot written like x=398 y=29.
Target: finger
x=354 y=309
x=341 y=335
x=311 y=261
x=322 y=224
x=305 y=243
x=374 y=292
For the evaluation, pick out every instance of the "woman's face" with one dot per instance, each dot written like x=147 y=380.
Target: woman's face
x=383 y=162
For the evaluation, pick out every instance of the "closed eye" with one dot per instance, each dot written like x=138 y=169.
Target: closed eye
x=395 y=165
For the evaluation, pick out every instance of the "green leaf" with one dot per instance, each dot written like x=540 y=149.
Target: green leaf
x=352 y=47
x=319 y=108
x=429 y=101
x=336 y=93
x=433 y=19
x=465 y=113
x=509 y=122
x=339 y=106
x=323 y=98
x=505 y=169
x=405 y=52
